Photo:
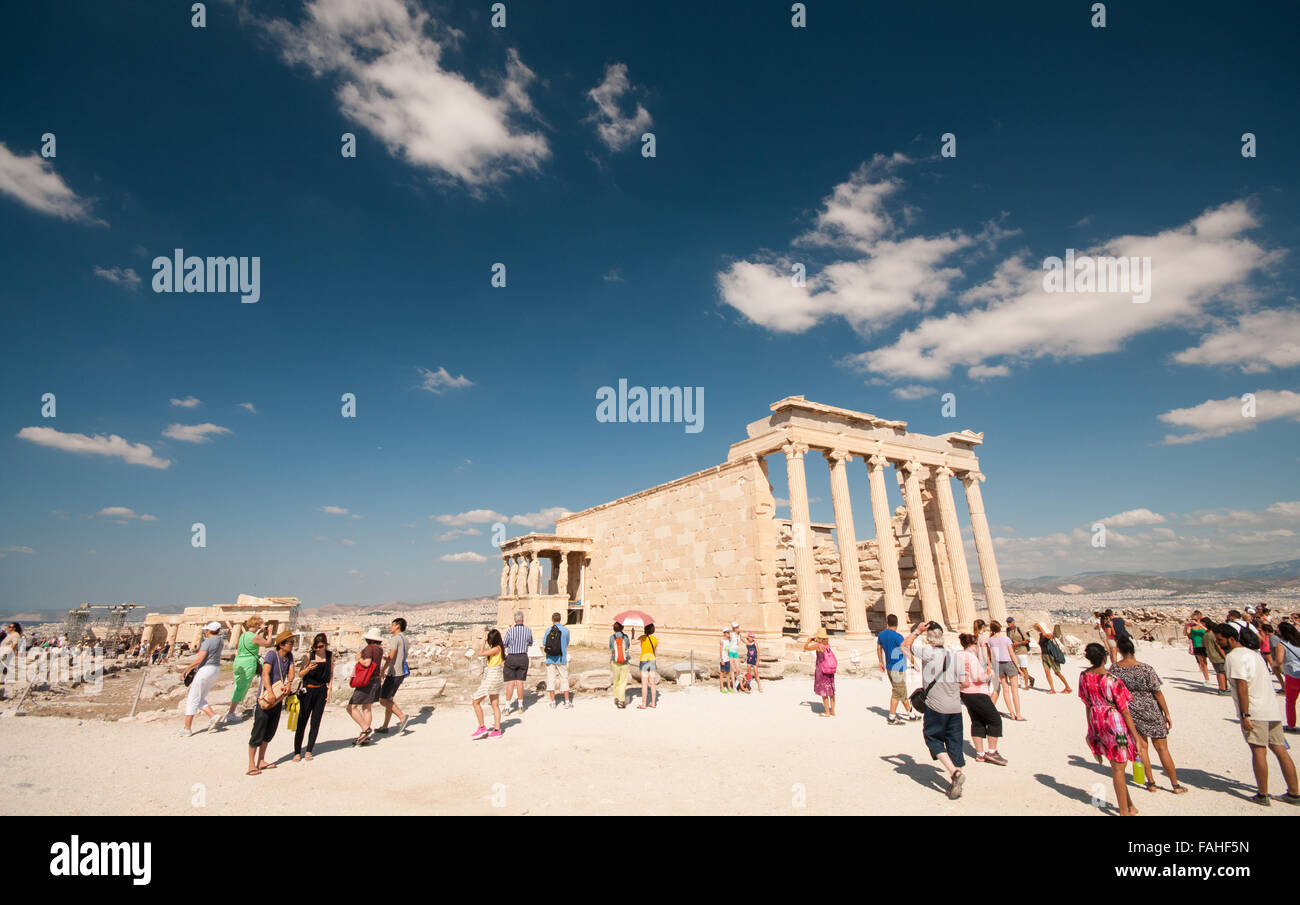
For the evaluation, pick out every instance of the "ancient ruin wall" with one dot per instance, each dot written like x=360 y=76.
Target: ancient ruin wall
x=696 y=553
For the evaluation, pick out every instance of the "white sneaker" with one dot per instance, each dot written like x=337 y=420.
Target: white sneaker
x=186 y=733
x=214 y=722
x=568 y=705
x=554 y=704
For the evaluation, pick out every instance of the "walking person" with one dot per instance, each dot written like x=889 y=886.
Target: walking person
x=493 y=650
x=619 y=662
x=649 y=667
x=1053 y=657
x=1215 y=653
x=724 y=662
x=1108 y=635
x=518 y=638
x=10 y=646
x=317 y=671
x=277 y=678
x=893 y=662
x=1110 y=727
x=942 y=726
x=1288 y=652
x=1195 y=633
x=985 y=721
x=1020 y=647
x=980 y=629
x=395 y=671
x=1007 y=671
x=751 y=662
x=823 y=669
x=733 y=654
x=367 y=683
x=1260 y=716
x=207 y=666
x=248 y=662
x=1149 y=711
x=1272 y=651
x=556 y=647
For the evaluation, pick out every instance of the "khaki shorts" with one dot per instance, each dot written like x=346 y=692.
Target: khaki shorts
x=897 y=686
x=557 y=674
x=1264 y=733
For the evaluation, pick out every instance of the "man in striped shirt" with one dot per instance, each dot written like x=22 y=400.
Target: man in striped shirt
x=518 y=639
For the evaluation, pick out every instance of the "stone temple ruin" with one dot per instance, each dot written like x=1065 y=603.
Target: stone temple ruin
x=706 y=549
x=187 y=627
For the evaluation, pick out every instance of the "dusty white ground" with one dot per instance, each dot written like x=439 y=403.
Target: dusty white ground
x=699 y=752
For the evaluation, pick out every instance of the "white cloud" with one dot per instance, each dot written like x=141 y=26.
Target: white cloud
x=189 y=402
x=472 y=517
x=123 y=513
x=441 y=379
x=385 y=58
x=248 y=406
x=119 y=276
x=1132 y=518
x=32 y=181
x=5 y=551
x=616 y=129
x=984 y=372
x=459 y=532
x=464 y=557
x=878 y=275
x=913 y=391
x=334 y=510
x=544 y=519
x=1255 y=343
x=1220 y=417
x=348 y=543
x=1193 y=265
x=97 y=445
x=195 y=433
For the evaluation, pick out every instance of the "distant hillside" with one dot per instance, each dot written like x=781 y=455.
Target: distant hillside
x=1242 y=579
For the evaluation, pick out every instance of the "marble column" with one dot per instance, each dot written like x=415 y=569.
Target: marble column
x=855 y=601
x=927 y=585
x=886 y=550
x=805 y=569
x=956 y=549
x=515 y=583
x=562 y=576
x=979 y=527
x=534 y=574
x=505 y=577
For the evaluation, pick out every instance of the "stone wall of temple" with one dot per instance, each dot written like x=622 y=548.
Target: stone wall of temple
x=830 y=580
x=696 y=553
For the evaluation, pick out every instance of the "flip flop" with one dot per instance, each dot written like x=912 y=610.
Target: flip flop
x=308 y=756
x=254 y=772
x=267 y=766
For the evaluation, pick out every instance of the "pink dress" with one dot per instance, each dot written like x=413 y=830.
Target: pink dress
x=823 y=683
x=1106 y=699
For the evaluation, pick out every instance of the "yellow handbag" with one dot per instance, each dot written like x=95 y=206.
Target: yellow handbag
x=292 y=707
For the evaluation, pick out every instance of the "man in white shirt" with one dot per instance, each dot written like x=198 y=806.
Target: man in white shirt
x=1261 y=719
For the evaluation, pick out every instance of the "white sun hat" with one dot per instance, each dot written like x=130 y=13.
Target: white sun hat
x=373 y=634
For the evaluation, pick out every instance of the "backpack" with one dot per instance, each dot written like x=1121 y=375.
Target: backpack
x=1248 y=637
x=620 y=650
x=554 y=645
x=829 y=663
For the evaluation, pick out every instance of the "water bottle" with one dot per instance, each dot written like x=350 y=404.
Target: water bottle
x=1139 y=773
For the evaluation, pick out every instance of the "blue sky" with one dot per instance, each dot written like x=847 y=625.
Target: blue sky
x=522 y=145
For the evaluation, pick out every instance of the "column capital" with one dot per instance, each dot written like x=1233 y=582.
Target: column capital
x=794 y=449
x=878 y=461
x=944 y=471
x=837 y=455
x=970 y=477
x=911 y=466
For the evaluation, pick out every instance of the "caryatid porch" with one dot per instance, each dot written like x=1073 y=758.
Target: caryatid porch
x=924 y=466
x=524 y=587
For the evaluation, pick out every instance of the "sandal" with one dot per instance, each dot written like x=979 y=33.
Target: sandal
x=254 y=772
x=266 y=766
x=297 y=758
x=1179 y=790
x=1151 y=786
x=308 y=756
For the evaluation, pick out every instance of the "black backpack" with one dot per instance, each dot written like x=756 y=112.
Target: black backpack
x=553 y=646
x=1248 y=637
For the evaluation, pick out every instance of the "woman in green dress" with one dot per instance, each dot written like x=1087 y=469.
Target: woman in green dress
x=248 y=658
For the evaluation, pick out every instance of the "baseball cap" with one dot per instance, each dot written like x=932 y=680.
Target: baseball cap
x=213 y=626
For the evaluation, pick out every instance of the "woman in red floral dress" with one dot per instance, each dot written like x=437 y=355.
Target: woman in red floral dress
x=1110 y=728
